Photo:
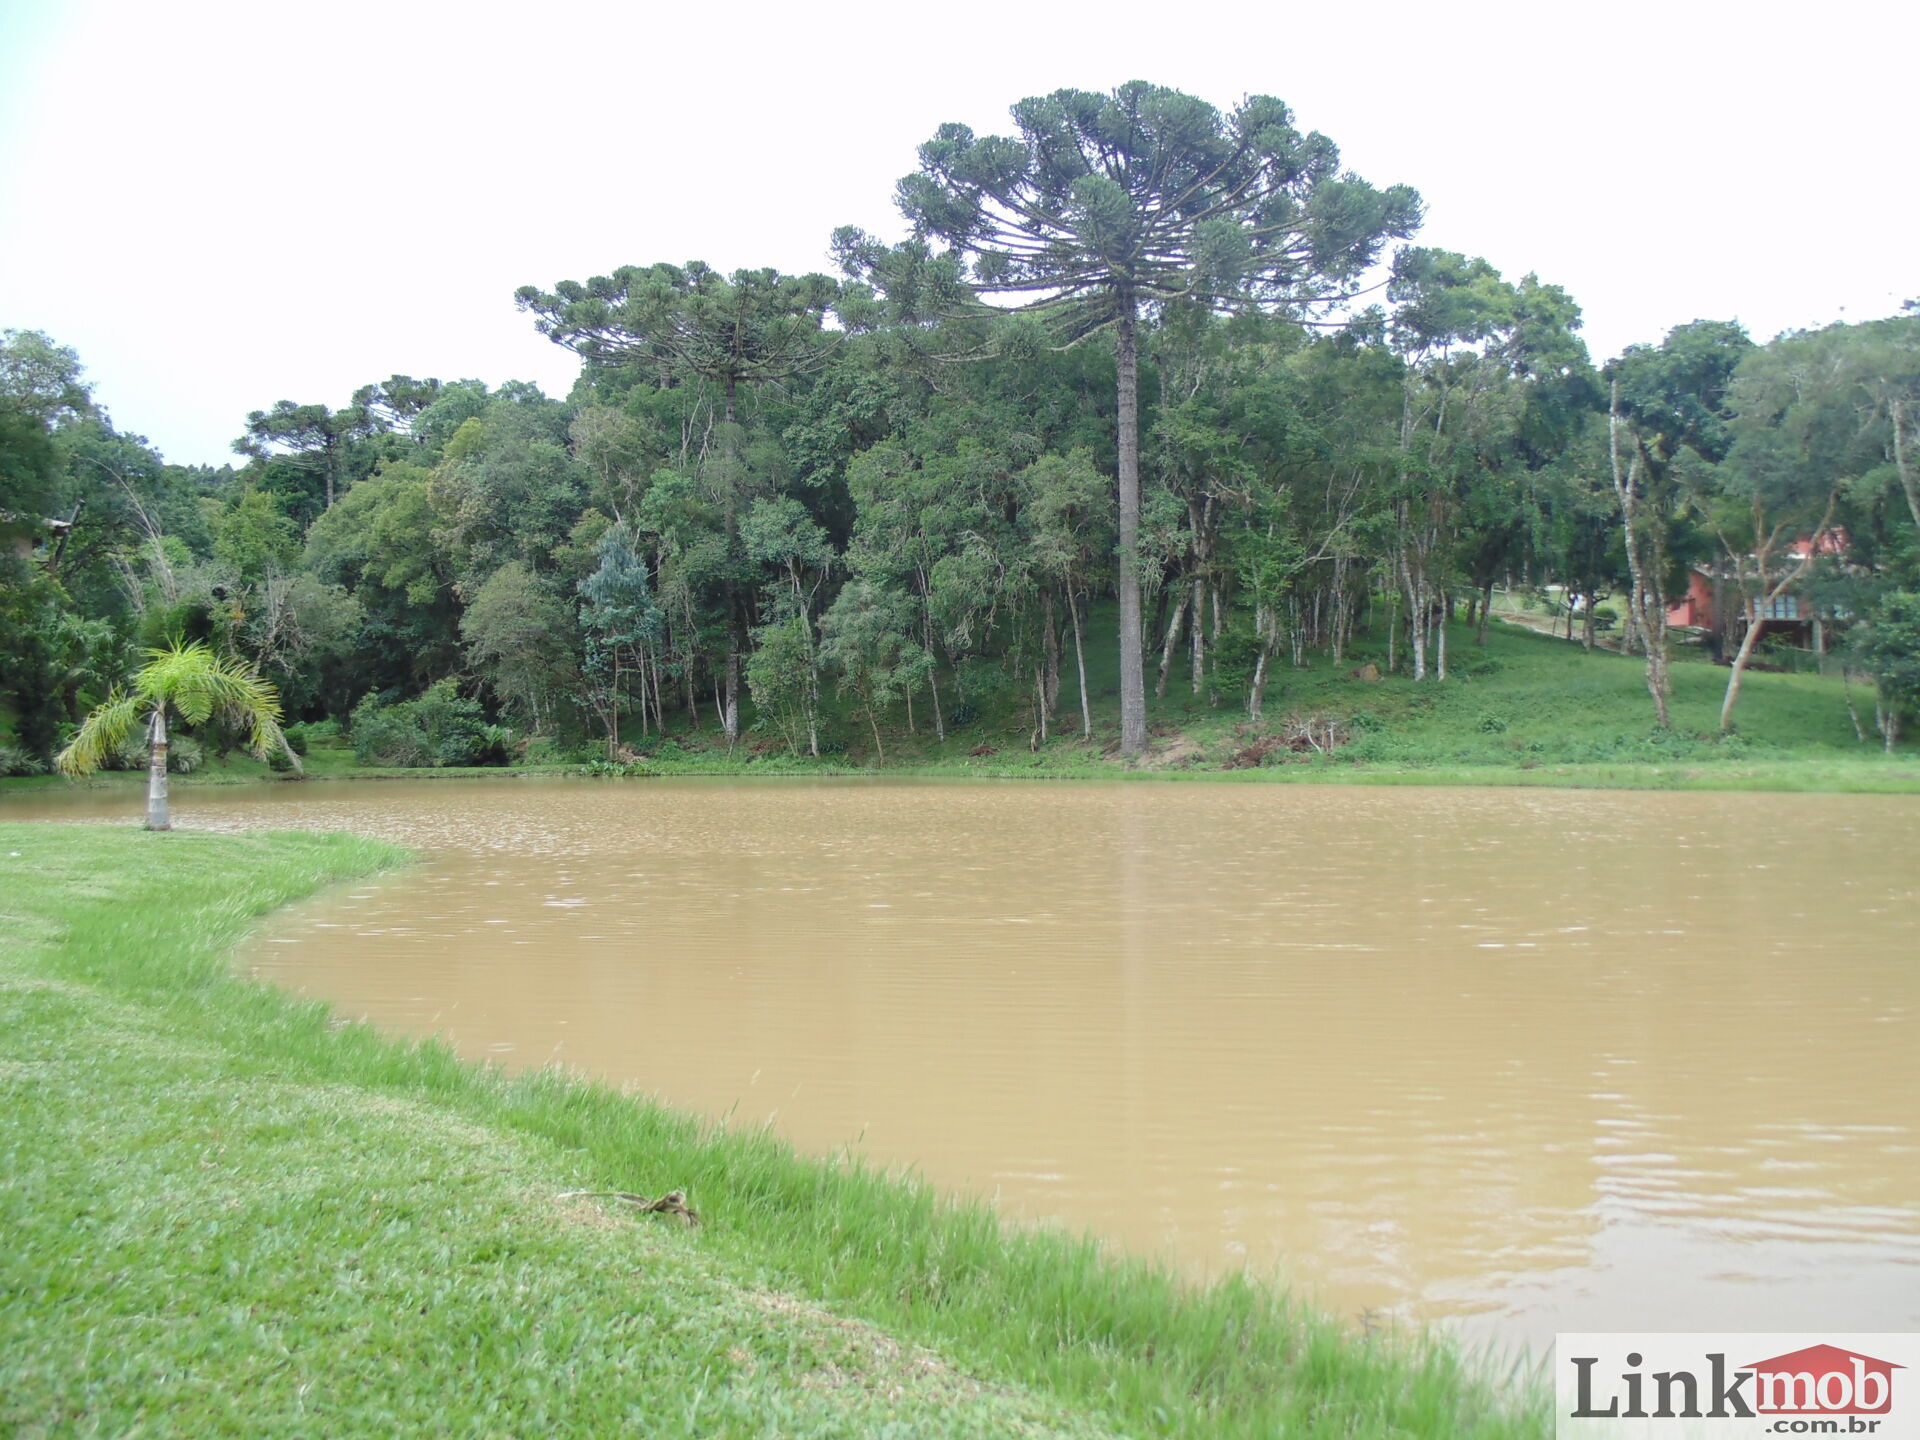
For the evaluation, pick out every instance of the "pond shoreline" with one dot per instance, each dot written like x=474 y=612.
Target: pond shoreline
x=1865 y=775
x=142 y=1051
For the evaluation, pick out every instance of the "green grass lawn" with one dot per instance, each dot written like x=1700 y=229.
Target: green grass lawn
x=229 y=1213
x=1525 y=709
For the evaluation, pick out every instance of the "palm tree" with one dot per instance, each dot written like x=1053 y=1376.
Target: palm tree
x=195 y=684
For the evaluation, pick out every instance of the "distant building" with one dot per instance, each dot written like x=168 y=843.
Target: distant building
x=1715 y=602
x=23 y=534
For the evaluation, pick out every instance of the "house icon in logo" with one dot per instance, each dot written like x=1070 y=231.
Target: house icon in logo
x=1823 y=1380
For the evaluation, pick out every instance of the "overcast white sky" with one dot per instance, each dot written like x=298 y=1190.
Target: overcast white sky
x=223 y=205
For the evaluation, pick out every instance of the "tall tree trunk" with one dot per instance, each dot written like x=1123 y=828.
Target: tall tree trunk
x=1133 y=678
x=1264 y=622
x=1739 y=669
x=613 y=707
x=1853 y=713
x=1342 y=607
x=1903 y=460
x=158 y=815
x=1416 y=616
x=1172 y=644
x=1080 y=662
x=1649 y=616
x=1050 y=642
x=736 y=645
x=1198 y=634
x=1760 y=603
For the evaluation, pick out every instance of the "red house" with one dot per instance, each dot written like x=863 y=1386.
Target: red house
x=1823 y=1380
x=1715 y=601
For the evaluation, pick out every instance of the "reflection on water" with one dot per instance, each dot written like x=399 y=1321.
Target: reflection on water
x=1525 y=1060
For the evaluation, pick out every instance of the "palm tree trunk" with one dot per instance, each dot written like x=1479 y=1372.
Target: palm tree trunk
x=158 y=815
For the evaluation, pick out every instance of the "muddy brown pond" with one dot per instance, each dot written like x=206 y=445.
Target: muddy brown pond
x=1514 y=1061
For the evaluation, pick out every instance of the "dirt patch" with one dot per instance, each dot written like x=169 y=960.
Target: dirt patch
x=1181 y=751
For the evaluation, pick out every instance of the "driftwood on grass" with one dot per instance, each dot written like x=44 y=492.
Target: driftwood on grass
x=674 y=1202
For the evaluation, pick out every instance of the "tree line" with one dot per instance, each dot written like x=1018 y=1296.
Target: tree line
x=1145 y=375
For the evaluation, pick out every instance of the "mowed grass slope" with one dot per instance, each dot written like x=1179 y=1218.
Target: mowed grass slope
x=228 y=1213
x=1524 y=709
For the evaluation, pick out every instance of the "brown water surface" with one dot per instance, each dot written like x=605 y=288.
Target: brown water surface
x=1518 y=1060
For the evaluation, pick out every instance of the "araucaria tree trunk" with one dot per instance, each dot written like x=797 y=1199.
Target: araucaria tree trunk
x=1133 y=675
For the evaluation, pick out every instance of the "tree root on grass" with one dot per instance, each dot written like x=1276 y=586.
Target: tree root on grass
x=674 y=1202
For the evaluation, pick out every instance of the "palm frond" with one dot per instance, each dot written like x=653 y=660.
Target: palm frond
x=101 y=734
x=196 y=684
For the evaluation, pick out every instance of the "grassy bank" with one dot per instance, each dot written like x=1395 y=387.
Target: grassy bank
x=229 y=1213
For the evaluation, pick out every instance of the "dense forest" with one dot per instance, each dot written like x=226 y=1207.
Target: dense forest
x=1145 y=376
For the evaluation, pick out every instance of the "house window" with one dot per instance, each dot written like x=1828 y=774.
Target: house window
x=1782 y=607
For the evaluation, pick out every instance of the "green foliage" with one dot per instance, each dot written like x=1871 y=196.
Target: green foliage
x=49 y=656
x=15 y=761
x=1151 y=194
x=29 y=471
x=252 y=538
x=42 y=378
x=1887 y=647
x=440 y=727
x=867 y=637
x=783 y=676
x=752 y=326
x=522 y=638
x=705 y=507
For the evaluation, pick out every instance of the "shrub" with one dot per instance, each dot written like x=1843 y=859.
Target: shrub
x=15 y=761
x=315 y=732
x=440 y=727
x=493 y=746
x=544 y=749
